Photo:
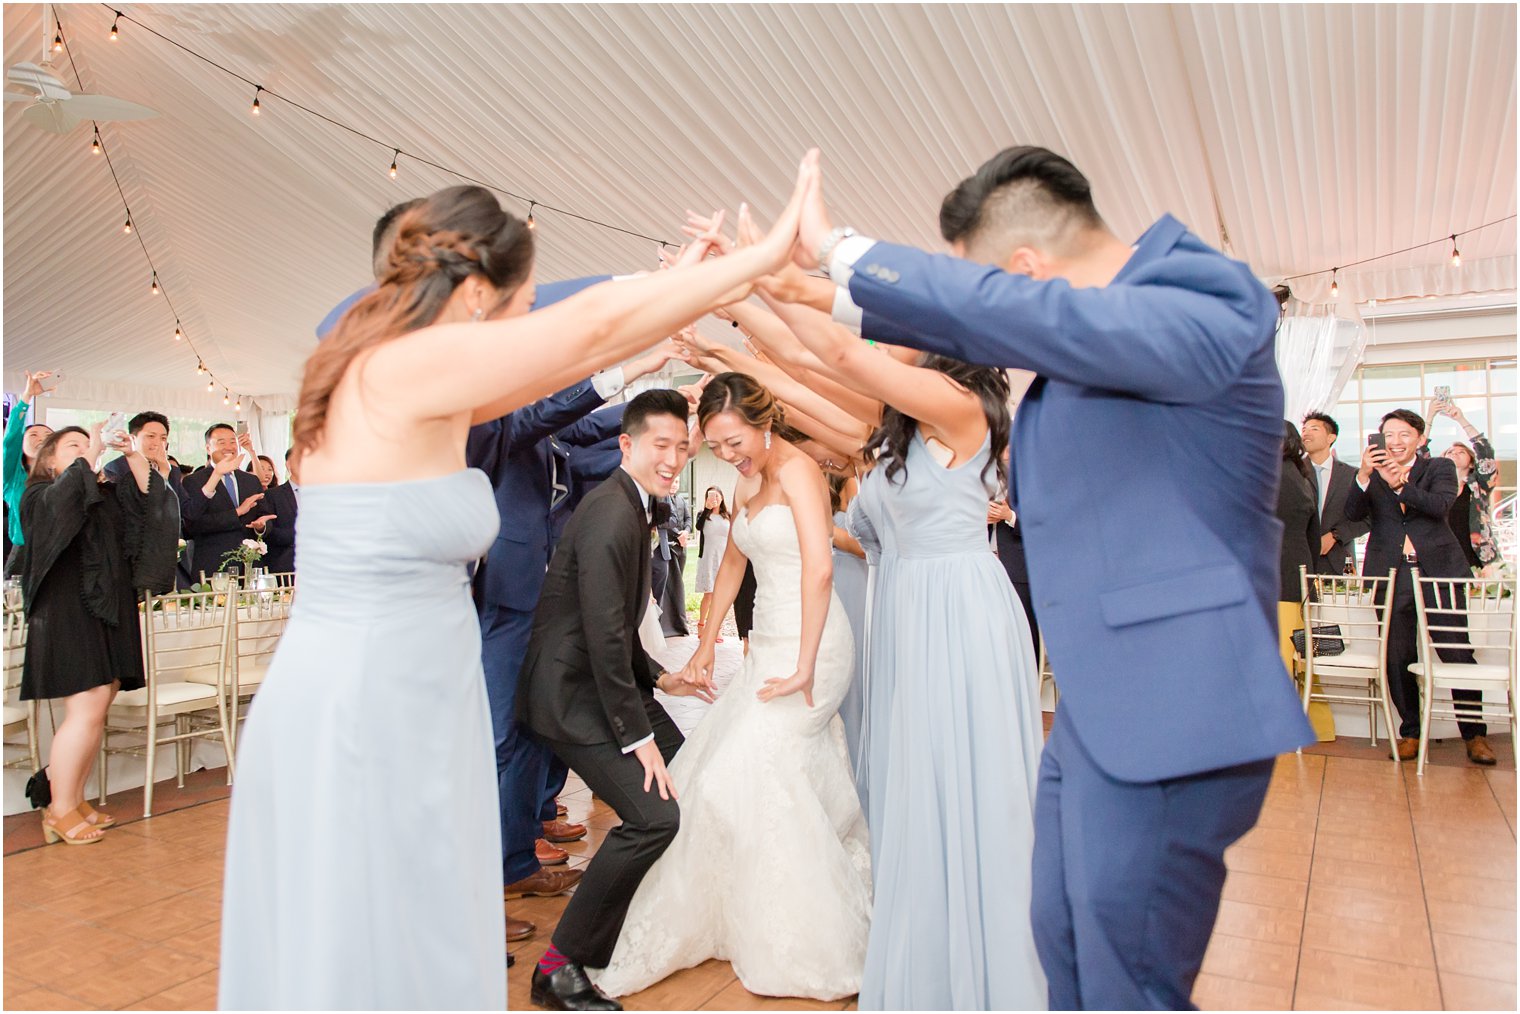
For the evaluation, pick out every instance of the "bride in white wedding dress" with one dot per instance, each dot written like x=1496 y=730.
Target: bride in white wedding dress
x=771 y=867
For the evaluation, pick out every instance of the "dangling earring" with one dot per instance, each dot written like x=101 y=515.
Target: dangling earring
x=479 y=313
x=767 y=440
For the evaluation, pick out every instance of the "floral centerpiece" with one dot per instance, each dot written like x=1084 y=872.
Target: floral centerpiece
x=248 y=553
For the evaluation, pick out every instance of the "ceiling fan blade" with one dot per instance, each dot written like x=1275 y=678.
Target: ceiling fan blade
x=19 y=97
x=29 y=75
x=50 y=116
x=106 y=107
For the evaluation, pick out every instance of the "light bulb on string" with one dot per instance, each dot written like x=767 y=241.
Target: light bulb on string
x=154 y=287
x=256 y=89
x=126 y=229
x=58 y=40
x=226 y=397
x=532 y=224
x=1456 y=255
x=114 y=24
x=200 y=367
x=179 y=335
x=394 y=157
x=239 y=406
x=1335 y=286
x=95 y=143
x=210 y=386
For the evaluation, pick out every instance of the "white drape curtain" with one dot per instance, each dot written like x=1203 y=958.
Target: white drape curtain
x=1315 y=356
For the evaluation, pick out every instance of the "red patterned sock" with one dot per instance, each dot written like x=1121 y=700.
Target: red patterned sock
x=552 y=961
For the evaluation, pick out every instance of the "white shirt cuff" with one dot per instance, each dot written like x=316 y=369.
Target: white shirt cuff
x=846 y=312
x=609 y=383
x=842 y=261
x=647 y=739
x=1361 y=484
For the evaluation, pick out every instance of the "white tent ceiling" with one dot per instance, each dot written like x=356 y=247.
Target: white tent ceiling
x=1299 y=136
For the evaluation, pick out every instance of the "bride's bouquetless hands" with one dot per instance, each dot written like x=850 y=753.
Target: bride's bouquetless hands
x=800 y=680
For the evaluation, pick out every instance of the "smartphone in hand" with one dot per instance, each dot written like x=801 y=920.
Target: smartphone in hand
x=1377 y=440
x=1443 y=394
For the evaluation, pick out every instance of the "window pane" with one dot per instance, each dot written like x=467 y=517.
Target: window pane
x=1384 y=383
x=1503 y=432
x=1501 y=376
x=1462 y=378
x=1373 y=412
x=1347 y=416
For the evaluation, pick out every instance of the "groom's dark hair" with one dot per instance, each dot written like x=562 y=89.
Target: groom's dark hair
x=1022 y=196
x=660 y=401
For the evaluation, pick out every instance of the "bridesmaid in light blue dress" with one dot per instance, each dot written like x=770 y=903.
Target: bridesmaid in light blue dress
x=850 y=576
x=952 y=730
x=363 y=849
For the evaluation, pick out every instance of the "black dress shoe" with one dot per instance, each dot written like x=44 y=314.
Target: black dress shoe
x=569 y=989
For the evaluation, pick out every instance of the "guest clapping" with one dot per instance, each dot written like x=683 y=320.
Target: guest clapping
x=222 y=502
x=91 y=544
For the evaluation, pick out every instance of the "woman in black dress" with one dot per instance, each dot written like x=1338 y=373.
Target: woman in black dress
x=90 y=543
x=1298 y=510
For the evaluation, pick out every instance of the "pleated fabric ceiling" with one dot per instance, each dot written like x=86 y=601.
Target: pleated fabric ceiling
x=1297 y=137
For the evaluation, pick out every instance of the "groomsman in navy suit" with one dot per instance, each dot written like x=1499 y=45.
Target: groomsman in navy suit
x=1155 y=370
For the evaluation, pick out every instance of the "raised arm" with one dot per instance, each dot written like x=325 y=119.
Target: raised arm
x=497 y=365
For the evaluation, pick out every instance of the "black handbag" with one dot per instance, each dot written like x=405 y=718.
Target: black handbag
x=1327 y=641
x=39 y=791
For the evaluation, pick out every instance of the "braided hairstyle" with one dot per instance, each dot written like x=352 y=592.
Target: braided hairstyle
x=441 y=241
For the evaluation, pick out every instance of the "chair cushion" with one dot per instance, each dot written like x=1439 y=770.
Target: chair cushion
x=251 y=674
x=169 y=695
x=1461 y=673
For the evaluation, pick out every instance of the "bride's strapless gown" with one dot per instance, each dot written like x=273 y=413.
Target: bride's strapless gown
x=771 y=867
x=364 y=849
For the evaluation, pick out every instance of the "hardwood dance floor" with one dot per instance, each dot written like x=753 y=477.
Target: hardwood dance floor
x=1363 y=886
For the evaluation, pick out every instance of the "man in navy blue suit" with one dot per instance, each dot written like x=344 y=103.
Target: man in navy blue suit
x=1155 y=369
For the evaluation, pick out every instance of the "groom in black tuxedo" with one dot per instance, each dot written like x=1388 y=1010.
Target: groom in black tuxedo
x=587 y=689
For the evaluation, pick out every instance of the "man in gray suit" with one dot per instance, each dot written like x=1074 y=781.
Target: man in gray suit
x=668 y=565
x=1333 y=479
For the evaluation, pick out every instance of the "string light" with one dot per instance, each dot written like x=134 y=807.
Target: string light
x=1456 y=255
x=1335 y=287
x=58 y=40
x=239 y=406
x=179 y=335
x=114 y=24
x=226 y=397
x=394 y=157
x=297 y=104
x=154 y=287
x=126 y=230
x=200 y=367
x=532 y=224
x=95 y=143
x=210 y=386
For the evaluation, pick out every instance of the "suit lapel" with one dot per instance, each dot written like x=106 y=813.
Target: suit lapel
x=636 y=501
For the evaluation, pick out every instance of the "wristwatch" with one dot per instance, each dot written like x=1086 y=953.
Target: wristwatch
x=830 y=242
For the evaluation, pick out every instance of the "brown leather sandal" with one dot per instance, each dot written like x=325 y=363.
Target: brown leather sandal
x=70 y=828
x=96 y=817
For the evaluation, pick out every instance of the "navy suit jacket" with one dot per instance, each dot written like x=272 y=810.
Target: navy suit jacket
x=1161 y=622
x=515 y=452
x=212 y=523
x=1418 y=511
x=280 y=534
